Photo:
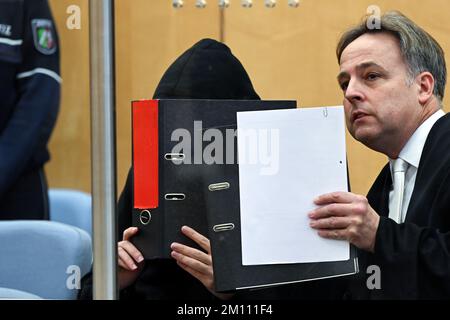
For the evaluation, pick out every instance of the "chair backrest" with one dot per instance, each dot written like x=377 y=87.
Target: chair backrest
x=12 y=294
x=71 y=207
x=44 y=258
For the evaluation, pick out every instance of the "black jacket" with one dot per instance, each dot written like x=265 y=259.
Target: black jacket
x=29 y=103
x=208 y=70
x=414 y=257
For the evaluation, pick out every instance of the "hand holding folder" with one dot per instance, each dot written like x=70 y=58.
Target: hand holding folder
x=170 y=193
x=259 y=228
x=168 y=186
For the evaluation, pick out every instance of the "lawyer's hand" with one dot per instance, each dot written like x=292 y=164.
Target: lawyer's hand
x=131 y=261
x=198 y=263
x=346 y=216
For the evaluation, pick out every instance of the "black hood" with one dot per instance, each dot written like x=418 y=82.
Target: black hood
x=208 y=70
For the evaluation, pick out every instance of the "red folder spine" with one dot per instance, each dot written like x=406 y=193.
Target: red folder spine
x=145 y=153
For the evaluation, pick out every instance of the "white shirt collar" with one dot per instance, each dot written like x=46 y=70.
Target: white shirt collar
x=412 y=151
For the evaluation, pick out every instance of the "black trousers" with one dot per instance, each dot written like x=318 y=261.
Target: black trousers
x=27 y=199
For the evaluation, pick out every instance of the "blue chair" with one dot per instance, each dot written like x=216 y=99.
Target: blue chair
x=11 y=294
x=71 y=207
x=44 y=258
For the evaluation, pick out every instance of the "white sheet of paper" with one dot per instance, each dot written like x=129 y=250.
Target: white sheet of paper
x=299 y=155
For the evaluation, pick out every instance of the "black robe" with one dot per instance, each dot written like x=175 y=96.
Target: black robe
x=414 y=256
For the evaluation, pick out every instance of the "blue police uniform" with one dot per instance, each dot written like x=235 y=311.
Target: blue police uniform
x=29 y=104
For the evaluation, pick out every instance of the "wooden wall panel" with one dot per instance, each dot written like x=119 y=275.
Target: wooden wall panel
x=150 y=35
x=70 y=162
x=289 y=54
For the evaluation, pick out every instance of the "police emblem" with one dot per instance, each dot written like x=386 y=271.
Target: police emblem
x=44 y=36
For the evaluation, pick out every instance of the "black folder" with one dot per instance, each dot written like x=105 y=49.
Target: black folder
x=222 y=199
x=223 y=212
x=167 y=191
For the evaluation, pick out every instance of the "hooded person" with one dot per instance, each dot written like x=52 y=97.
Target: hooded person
x=208 y=70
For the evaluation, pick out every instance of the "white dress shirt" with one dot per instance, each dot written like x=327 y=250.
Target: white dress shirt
x=411 y=153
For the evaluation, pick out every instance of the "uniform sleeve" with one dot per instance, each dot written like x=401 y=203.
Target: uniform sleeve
x=24 y=139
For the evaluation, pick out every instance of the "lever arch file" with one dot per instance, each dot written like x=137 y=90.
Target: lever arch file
x=174 y=141
x=240 y=200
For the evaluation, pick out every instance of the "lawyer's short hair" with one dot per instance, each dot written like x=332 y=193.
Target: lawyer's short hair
x=421 y=52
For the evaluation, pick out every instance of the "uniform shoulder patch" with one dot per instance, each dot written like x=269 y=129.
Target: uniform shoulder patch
x=44 y=36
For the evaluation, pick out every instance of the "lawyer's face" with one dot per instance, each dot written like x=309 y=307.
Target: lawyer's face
x=380 y=102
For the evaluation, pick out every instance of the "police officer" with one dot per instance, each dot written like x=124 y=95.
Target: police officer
x=29 y=104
